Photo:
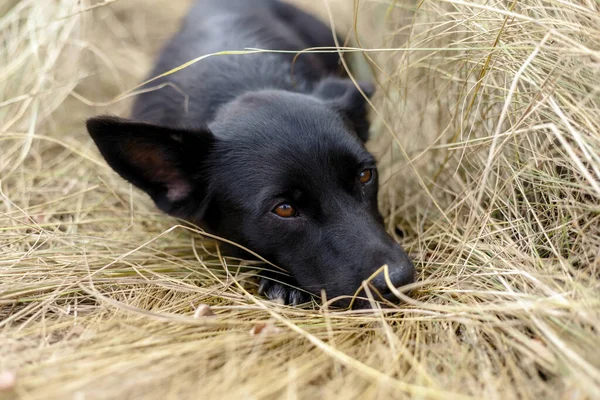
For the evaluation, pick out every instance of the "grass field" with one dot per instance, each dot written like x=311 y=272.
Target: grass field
x=486 y=123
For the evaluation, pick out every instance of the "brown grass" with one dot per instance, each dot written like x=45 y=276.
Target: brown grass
x=486 y=124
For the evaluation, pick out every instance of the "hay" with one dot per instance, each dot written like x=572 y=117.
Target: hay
x=486 y=124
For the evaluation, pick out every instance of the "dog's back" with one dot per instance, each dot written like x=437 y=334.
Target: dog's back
x=194 y=94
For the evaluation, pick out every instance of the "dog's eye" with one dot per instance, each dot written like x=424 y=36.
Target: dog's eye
x=365 y=176
x=285 y=210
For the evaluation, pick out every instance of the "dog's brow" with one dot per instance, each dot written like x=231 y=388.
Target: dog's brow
x=366 y=160
x=367 y=163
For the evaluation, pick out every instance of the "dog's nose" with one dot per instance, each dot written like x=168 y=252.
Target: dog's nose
x=400 y=275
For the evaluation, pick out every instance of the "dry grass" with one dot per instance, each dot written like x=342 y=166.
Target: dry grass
x=487 y=126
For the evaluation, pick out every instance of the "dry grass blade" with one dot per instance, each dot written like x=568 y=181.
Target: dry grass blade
x=486 y=124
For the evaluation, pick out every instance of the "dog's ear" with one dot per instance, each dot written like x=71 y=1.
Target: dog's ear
x=166 y=163
x=343 y=96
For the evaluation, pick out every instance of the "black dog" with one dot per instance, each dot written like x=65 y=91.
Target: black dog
x=261 y=152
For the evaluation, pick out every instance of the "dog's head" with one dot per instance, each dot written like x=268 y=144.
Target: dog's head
x=283 y=174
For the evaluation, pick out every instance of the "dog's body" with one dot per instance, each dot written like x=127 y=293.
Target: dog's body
x=261 y=152
x=217 y=26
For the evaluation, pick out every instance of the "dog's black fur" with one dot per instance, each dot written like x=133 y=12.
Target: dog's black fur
x=235 y=136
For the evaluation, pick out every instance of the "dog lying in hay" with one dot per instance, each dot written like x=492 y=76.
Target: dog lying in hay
x=262 y=149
